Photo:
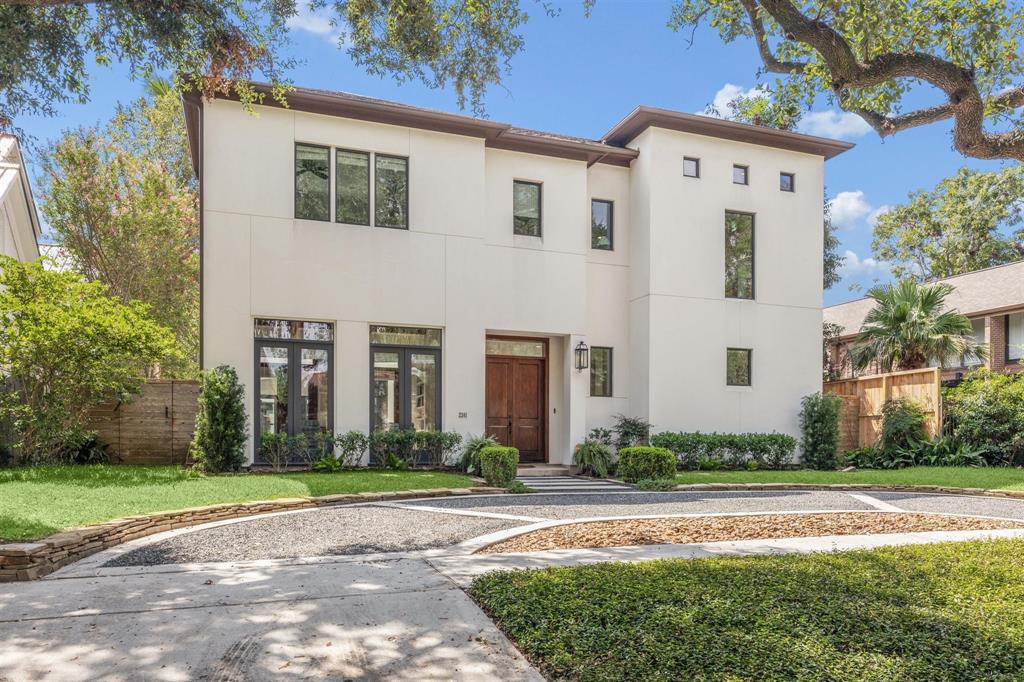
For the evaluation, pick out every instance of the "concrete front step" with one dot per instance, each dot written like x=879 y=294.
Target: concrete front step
x=570 y=484
x=544 y=470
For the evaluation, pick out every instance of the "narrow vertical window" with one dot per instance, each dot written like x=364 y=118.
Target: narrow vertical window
x=1014 y=337
x=737 y=366
x=526 y=208
x=312 y=182
x=601 y=224
x=739 y=175
x=601 y=372
x=391 y=192
x=352 y=187
x=787 y=182
x=739 y=255
x=691 y=167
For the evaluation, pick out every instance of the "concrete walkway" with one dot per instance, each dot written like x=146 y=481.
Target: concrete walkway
x=379 y=615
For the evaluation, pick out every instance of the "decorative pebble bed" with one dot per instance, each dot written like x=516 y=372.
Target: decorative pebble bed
x=686 y=530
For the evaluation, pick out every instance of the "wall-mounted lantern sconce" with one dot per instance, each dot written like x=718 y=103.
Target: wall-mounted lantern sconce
x=582 y=356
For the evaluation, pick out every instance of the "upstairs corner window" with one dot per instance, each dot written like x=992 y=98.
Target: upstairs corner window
x=1014 y=337
x=739 y=255
x=787 y=182
x=312 y=182
x=601 y=225
x=526 y=208
x=352 y=187
x=691 y=167
x=737 y=366
x=739 y=175
x=391 y=192
x=601 y=372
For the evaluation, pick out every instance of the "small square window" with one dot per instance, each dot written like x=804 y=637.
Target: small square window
x=787 y=182
x=737 y=366
x=739 y=175
x=601 y=372
x=601 y=225
x=691 y=167
x=526 y=208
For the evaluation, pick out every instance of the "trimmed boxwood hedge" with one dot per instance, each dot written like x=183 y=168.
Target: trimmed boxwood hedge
x=696 y=450
x=646 y=463
x=498 y=465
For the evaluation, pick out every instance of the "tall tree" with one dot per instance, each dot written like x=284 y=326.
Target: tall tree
x=122 y=206
x=963 y=224
x=867 y=57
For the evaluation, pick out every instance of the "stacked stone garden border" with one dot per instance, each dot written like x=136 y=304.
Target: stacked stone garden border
x=20 y=561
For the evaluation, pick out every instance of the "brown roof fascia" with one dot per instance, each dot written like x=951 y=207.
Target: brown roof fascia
x=643 y=117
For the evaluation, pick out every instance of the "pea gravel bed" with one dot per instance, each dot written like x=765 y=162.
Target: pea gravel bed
x=321 y=532
x=688 y=530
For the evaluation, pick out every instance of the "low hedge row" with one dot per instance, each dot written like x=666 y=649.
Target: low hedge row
x=697 y=450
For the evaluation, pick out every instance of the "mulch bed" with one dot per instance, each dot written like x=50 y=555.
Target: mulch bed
x=628 y=532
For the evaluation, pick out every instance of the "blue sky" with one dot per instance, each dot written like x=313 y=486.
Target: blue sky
x=580 y=76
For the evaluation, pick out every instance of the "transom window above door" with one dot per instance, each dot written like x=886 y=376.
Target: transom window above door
x=369 y=188
x=405 y=378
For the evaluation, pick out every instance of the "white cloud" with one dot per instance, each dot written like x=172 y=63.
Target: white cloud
x=855 y=266
x=727 y=93
x=847 y=208
x=317 y=23
x=831 y=123
x=874 y=215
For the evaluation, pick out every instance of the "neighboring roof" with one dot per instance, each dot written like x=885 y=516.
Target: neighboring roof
x=975 y=293
x=642 y=118
x=12 y=166
x=611 y=150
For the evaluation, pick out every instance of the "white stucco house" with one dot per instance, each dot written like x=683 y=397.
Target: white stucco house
x=370 y=265
x=19 y=222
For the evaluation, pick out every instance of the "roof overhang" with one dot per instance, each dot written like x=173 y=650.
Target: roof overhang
x=642 y=118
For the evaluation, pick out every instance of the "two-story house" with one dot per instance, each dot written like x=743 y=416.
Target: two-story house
x=370 y=265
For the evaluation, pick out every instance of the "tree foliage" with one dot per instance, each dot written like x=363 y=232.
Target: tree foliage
x=909 y=327
x=956 y=227
x=867 y=57
x=122 y=205
x=218 y=443
x=66 y=346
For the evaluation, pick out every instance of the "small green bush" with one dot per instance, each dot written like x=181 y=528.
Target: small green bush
x=732 y=450
x=519 y=488
x=218 y=443
x=435 y=448
x=469 y=461
x=498 y=465
x=351 y=446
x=819 y=429
x=987 y=411
x=645 y=462
x=328 y=465
x=903 y=426
x=392 y=446
x=631 y=431
x=593 y=457
x=275 y=450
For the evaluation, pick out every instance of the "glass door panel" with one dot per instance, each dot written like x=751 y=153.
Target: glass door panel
x=423 y=393
x=273 y=375
x=386 y=391
x=314 y=390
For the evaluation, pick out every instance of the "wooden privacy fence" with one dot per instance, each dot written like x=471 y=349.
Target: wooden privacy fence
x=154 y=428
x=860 y=422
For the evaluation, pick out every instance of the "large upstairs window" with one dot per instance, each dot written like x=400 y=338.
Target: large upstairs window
x=739 y=255
x=352 y=187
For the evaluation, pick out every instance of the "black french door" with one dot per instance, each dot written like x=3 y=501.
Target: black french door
x=405 y=388
x=294 y=388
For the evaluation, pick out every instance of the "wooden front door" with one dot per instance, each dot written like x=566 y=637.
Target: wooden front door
x=515 y=405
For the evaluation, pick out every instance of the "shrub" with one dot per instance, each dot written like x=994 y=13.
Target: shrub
x=602 y=435
x=631 y=431
x=768 y=450
x=518 y=488
x=389 y=447
x=987 y=411
x=218 y=443
x=819 y=430
x=90 y=451
x=436 y=447
x=328 y=465
x=275 y=449
x=498 y=465
x=351 y=445
x=639 y=463
x=903 y=426
x=656 y=484
x=469 y=461
x=593 y=457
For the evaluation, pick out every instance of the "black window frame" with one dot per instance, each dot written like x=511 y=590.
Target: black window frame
x=370 y=173
x=405 y=204
x=746 y=174
x=540 y=208
x=753 y=254
x=295 y=180
x=404 y=380
x=611 y=224
x=750 y=366
x=792 y=181
x=611 y=372
x=696 y=163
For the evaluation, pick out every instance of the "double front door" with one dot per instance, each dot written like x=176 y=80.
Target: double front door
x=516 y=389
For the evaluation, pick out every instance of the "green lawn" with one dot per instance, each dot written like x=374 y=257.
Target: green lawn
x=939 y=612
x=1000 y=478
x=35 y=502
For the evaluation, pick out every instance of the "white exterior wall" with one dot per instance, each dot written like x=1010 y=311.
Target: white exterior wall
x=459 y=267
x=17 y=210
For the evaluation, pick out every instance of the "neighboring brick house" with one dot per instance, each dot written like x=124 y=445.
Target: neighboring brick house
x=992 y=298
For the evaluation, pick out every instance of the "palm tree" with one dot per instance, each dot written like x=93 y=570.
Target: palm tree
x=909 y=328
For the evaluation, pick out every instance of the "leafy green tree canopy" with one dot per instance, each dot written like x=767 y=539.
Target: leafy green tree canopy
x=957 y=227
x=66 y=346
